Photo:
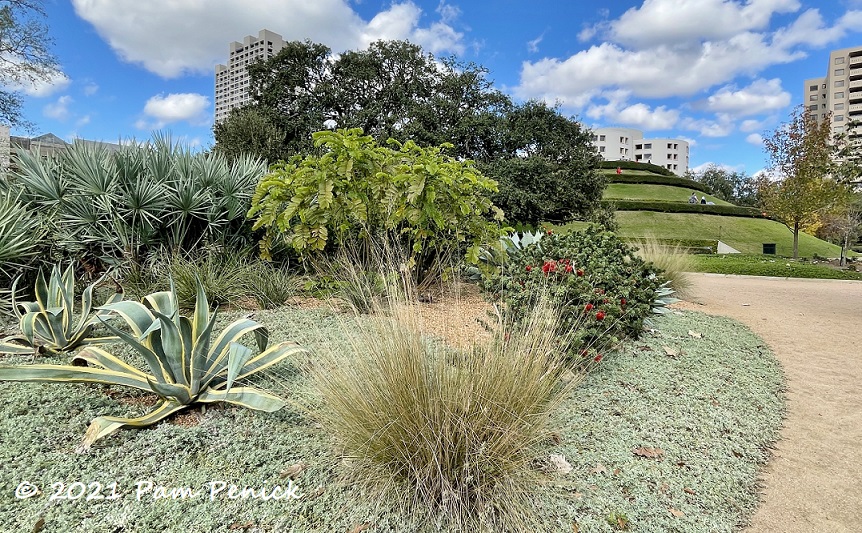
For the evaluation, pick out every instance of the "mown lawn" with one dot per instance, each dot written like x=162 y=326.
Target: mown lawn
x=662 y=193
x=764 y=265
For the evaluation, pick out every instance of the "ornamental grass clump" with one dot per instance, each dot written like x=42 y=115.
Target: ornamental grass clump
x=450 y=435
x=671 y=259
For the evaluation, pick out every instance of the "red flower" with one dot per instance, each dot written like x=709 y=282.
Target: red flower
x=588 y=308
x=580 y=272
x=550 y=232
x=529 y=268
x=597 y=358
x=622 y=301
x=568 y=268
x=549 y=266
x=600 y=315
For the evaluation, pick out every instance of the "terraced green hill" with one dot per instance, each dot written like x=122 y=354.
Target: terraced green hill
x=746 y=234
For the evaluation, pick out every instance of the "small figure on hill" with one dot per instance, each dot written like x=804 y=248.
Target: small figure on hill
x=619 y=170
x=703 y=200
x=693 y=198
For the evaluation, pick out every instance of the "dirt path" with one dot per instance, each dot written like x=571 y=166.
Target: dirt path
x=814 y=481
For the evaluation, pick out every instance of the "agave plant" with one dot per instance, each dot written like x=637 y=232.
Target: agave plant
x=48 y=324
x=185 y=364
x=491 y=258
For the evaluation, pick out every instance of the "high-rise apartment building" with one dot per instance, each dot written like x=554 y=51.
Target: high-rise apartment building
x=231 y=80
x=839 y=92
x=626 y=144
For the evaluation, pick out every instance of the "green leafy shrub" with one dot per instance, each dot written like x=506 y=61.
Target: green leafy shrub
x=450 y=434
x=604 y=289
x=48 y=324
x=684 y=207
x=185 y=365
x=358 y=190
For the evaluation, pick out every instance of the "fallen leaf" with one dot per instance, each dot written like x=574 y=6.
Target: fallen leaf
x=617 y=471
x=676 y=512
x=600 y=469
x=39 y=525
x=736 y=454
x=360 y=528
x=671 y=351
x=292 y=470
x=695 y=334
x=688 y=491
x=234 y=527
x=559 y=463
x=745 y=305
x=575 y=528
x=645 y=348
x=650 y=453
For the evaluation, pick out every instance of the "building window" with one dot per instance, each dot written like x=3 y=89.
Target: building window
x=601 y=138
x=812 y=87
x=639 y=147
x=813 y=97
x=839 y=106
x=670 y=156
x=812 y=107
x=839 y=60
x=839 y=71
x=648 y=146
x=839 y=83
x=838 y=95
x=601 y=148
x=648 y=156
x=839 y=118
x=824 y=85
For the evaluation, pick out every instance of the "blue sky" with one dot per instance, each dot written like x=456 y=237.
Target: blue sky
x=719 y=73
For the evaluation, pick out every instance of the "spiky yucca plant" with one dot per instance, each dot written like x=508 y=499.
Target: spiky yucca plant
x=185 y=365
x=49 y=324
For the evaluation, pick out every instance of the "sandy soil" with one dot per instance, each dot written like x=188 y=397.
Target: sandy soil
x=814 y=481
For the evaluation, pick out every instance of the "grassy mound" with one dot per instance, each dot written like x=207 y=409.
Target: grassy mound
x=662 y=193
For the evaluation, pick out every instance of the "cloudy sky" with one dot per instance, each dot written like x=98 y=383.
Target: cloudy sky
x=719 y=73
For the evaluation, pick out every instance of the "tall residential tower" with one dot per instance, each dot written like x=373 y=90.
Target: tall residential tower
x=231 y=80
x=839 y=92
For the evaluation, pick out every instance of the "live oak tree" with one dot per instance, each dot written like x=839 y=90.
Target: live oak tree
x=25 y=55
x=544 y=162
x=800 y=155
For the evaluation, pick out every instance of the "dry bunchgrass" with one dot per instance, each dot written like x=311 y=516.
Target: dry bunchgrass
x=673 y=260
x=449 y=434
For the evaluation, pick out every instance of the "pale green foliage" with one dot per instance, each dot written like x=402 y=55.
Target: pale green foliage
x=20 y=232
x=358 y=189
x=48 y=324
x=451 y=434
x=122 y=204
x=185 y=365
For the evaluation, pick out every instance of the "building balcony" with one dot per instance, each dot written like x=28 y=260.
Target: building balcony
x=855 y=61
x=856 y=98
x=856 y=74
x=855 y=85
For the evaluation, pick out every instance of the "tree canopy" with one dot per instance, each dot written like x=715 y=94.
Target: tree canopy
x=25 y=55
x=544 y=162
x=800 y=154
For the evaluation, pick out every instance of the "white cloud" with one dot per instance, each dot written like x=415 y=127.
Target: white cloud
x=671 y=48
x=83 y=121
x=42 y=88
x=722 y=126
x=533 y=46
x=171 y=38
x=90 y=89
x=670 y=22
x=751 y=125
x=189 y=107
x=755 y=138
x=759 y=97
x=58 y=110
x=639 y=115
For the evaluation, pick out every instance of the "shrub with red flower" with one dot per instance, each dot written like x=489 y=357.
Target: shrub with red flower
x=549 y=266
x=600 y=315
x=588 y=308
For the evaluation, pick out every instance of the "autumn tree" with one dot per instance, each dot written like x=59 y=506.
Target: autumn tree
x=801 y=158
x=25 y=55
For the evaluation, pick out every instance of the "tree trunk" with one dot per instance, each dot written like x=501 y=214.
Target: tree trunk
x=844 y=245
x=796 y=239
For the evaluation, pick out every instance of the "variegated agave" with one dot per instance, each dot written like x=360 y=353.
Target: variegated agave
x=185 y=365
x=49 y=323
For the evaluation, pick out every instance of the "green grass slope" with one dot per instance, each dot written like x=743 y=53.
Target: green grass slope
x=745 y=234
x=650 y=192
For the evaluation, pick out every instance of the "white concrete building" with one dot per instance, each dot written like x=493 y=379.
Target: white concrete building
x=231 y=80
x=626 y=144
x=839 y=92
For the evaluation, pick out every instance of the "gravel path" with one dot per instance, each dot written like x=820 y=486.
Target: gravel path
x=814 y=481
